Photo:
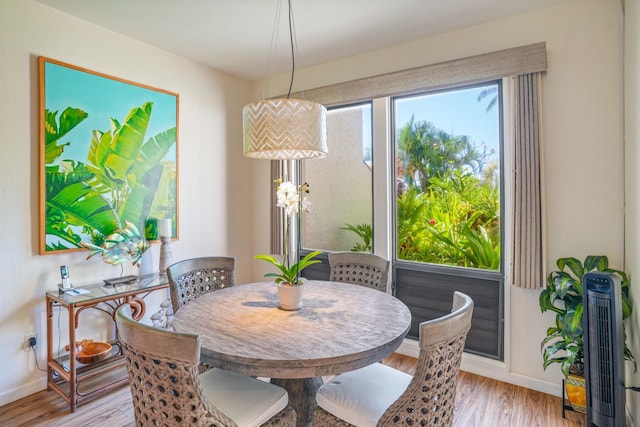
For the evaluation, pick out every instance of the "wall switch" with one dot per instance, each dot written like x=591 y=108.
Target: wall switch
x=30 y=340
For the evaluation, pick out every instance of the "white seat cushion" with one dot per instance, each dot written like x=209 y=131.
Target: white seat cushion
x=247 y=401
x=360 y=397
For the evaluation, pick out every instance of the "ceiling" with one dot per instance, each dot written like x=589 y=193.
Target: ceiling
x=235 y=36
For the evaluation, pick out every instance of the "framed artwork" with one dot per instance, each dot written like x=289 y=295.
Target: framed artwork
x=108 y=158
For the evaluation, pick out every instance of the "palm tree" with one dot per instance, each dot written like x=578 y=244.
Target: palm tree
x=425 y=151
x=490 y=91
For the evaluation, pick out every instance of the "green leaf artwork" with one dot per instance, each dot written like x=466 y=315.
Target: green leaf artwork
x=108 y=161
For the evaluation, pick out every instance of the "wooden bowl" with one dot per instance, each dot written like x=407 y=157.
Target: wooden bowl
x=92 y=351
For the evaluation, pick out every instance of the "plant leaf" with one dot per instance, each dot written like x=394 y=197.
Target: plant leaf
x=83 y=206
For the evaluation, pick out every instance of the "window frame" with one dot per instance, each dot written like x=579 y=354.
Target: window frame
x=444 y=268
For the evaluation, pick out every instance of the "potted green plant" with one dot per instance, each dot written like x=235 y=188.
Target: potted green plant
x=564 y=343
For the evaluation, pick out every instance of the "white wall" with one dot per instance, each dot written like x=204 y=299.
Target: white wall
x=212 y=185
x=582 y=103
x=632 y=157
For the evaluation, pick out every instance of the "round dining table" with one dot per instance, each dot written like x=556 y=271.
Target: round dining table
x=340 y=327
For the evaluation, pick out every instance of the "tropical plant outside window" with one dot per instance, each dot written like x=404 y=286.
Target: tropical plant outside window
x=447 y=171
x=342 y=214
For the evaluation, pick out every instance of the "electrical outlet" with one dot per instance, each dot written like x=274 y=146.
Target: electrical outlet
x=30 y=340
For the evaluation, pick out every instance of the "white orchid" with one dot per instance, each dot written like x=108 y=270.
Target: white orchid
x=289 y=198
x=287 y=195
x=306 y=205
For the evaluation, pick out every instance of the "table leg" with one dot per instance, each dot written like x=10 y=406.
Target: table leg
x=302 y=396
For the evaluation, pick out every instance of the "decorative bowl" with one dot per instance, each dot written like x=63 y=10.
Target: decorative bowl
x=88 y=351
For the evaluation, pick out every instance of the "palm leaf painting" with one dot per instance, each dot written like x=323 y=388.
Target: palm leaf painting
x=104 y=174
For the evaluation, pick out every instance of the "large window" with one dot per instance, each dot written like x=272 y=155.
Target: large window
x=447 y=147
x=445 y=200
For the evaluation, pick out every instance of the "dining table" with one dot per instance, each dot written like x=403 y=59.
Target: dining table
x=340 y=327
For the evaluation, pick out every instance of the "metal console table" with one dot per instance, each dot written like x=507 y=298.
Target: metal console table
x=65 y=374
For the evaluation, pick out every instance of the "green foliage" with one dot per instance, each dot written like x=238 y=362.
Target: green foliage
x=69 y=119
x=120 y=182
x=426 y=152
x=455 y=223
x=448 y=205
x=289 y=274
x=564 y=343
x=365 y=232
x=69 y=200
x=448 y=210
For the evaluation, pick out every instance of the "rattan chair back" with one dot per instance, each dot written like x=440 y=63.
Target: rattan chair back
x=163 y=375
x=164 y=378
x=431 y=396
x=359 y=268
x=191 y=278
x=429 y=399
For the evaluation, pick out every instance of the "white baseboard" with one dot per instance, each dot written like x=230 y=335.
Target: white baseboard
x=491 y=369
x=22 y=391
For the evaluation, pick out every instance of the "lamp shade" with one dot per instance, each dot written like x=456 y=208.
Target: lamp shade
x=284 y=129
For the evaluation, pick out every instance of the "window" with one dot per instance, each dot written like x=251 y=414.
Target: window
x=341 y=185
x=447 y=147
x=467 y=252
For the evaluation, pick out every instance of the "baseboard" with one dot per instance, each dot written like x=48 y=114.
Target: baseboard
x=491 y=369
x=22 y=391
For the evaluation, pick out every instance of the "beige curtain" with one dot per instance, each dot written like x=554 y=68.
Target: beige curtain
x=277 y=218
x=528 y=249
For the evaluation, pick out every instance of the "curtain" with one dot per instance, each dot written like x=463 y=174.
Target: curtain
x=277 y=217
x=528 y=249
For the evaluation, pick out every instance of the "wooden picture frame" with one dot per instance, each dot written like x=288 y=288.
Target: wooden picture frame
x=108 y=157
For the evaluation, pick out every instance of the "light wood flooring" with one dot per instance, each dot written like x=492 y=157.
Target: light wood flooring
x=480 y=402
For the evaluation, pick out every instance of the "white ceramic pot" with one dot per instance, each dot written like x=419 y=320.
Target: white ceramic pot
x=290 y=296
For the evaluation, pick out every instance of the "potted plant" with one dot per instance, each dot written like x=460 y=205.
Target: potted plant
x=564 y=343
x=289 y=274
x=290 y=284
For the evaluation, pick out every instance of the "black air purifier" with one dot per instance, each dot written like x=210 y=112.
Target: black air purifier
x=603 y=349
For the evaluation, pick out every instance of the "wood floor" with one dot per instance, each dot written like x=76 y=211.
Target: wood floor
x=480 y=402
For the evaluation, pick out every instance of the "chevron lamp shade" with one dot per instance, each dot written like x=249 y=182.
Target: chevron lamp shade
x=284 y=129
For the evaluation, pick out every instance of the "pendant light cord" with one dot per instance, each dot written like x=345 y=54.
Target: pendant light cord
x=293 y=56
x=298 y=215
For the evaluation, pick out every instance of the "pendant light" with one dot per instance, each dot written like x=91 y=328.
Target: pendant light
x=285 y=128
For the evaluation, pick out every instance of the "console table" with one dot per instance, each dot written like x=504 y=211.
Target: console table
x=65 y=374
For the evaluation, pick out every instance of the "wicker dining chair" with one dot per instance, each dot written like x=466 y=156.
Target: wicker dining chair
x=191 y=278
x=378 y=395
x=359 y=268
x=168 y=391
